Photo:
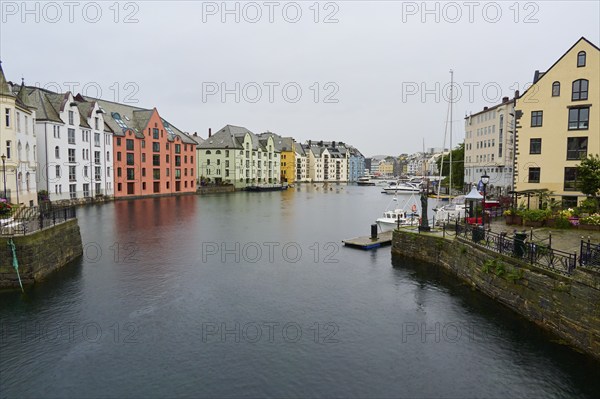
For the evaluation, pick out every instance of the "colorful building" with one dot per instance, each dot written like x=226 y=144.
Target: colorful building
x=151 y=156
x=286 y=146
x=559 y=124
x=8 y=138
x=356 y=164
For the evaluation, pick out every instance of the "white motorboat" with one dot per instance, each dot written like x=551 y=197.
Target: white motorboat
x=451 y=212
x=365 y=181
x=399 y=188
x=395 y=217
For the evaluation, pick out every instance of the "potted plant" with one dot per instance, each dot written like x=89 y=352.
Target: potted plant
x=510 y=216
x=591 y=222
x=5 y=208
x=535 y=217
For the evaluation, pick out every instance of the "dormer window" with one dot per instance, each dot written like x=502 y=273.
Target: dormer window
x=71 y=117
x=581 y=59
x=555 y=89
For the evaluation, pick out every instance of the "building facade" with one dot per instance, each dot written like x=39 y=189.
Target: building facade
x=326 y=161
x=151 y=157
x=236 y=155
x=356 y=164
x=489 y=146
x=559 y=124
x=286 y=147
x=8 y=138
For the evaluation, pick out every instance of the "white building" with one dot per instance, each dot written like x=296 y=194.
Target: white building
x=326 y=161
x=74 y=147
x=489 y=146
x=25 y=118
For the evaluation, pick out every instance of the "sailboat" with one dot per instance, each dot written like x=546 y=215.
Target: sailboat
x=448 y=126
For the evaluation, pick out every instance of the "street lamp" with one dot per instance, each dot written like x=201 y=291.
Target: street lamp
x=4 y=172
x=485 y=179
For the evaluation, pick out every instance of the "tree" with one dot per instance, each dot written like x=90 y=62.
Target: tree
x=458 y=166
x=588 y=176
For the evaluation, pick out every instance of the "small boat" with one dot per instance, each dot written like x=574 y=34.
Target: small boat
x=406 y=187
x=267 y=187
x=365 y=181
x=392 y=218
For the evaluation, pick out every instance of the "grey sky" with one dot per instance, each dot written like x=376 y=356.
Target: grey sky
x=178 y=56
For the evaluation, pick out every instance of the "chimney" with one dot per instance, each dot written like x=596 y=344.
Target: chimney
x=309 y=143
x=209 y=132
x=333 y=144
x=504 y=99
x=517 y=94
x=485 y=108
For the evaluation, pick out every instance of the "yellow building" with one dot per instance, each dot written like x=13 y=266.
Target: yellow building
x=386 y=168
x=559 y=124
x=288 y=156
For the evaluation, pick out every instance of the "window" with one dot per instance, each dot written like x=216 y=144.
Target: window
x=97 y=123
x=156 y=174
x=73 y=191
x=178 y=160
x=577 y=148
x=119 y=187
x=143 y=172
x=177 y=148
x=71 y=115
x=156 y=160
x=129 y=144
x=97 y=139
x=130 y=174
x=57 y=170
x=155 y=133
x=119 y=173
x=107 y=156
x=97 y=157
x=98 y=173
x=178 y=173
x=579 y=118
x=534 y=175
x=143 y=157
x=72 y=173
x=555 y=89
x=7 y=117
x=86 y=190
x=130 y=160
x=71 y=135
x=570 y=182
x=569 y=201
x=536 y=118
x=119 y=156
x=85 y=171
x=71 y=155
x=535 y=146
x=581 y=59
x=56 y=151
x=56 y=130
x=580 y=90
x=118 y=141
x=155 y=146
x=143 y=143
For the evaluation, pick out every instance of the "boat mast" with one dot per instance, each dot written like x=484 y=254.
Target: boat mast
x=451 y=100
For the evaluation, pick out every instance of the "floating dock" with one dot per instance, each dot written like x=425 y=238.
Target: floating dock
x=367 y=242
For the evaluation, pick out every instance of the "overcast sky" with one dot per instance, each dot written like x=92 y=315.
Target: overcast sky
x=371 y=74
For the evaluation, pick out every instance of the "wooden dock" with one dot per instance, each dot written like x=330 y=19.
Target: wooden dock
x=367 y=242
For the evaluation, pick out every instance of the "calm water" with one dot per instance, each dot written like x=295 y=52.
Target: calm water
x=251 y=294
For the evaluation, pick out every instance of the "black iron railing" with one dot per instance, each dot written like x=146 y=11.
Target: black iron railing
x=518 y=247
x=589 y=254
x=29 y=220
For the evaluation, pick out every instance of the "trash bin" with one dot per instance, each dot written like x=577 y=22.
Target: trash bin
x=478 y=233
x=519 y=244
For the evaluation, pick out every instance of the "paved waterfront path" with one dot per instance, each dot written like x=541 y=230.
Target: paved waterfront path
x=567 y=240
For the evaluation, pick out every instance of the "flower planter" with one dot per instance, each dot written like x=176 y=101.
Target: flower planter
x=589 y=227
x=534 y=223
x=509 y=219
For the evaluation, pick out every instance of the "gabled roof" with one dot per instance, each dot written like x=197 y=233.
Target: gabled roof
x=38 y=99
x=541 y=75
x=280 y=143
x=4 y=87
x=225 y=138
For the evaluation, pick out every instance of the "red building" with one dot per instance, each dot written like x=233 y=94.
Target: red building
x=150 y=156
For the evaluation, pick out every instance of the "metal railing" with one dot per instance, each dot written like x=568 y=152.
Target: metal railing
x=29 y=220
x=589 y=254
x=518 y=247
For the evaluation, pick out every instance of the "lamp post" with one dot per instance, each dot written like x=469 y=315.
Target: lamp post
x=4 y=172
x=485 y=179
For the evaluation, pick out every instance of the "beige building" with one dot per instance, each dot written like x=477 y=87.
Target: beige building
x=489 y=146
x=559 y=123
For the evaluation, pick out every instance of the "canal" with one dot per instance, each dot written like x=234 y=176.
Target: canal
x=252 y=294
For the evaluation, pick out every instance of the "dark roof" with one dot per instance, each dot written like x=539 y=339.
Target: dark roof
x=491 y=108
x=226 y=138
x=5 y=89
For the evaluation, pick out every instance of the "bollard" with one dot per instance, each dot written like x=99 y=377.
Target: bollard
x=373 y=231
